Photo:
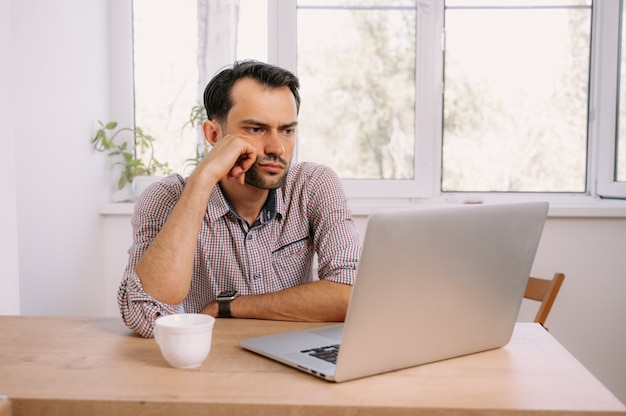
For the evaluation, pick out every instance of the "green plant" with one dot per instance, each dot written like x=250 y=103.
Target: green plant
x=137 y=160
x=197 y=116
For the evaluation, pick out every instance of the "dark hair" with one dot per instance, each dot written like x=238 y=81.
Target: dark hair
x=217 y=95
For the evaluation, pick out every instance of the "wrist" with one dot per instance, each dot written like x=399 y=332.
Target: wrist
x=224 y=301
x=211 y=309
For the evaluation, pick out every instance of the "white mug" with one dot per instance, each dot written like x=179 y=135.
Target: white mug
x=184 y=339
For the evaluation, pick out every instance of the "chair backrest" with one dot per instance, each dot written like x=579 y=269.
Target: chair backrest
x=543 y=291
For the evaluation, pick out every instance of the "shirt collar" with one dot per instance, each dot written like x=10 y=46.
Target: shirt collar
x=268 y=212
x=218 y=206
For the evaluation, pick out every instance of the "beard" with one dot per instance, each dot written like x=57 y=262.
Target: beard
x=266 y=180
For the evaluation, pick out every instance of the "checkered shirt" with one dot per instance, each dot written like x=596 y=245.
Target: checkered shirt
x=308 y=215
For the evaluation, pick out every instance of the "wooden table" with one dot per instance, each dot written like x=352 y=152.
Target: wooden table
x=95 y=366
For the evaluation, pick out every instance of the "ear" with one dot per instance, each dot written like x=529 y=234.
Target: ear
x=212 y=131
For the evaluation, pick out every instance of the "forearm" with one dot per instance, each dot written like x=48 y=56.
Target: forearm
x=165 y=269
x=320 y=301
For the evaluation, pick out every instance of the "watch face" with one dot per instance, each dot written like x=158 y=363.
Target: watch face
x=227 y=294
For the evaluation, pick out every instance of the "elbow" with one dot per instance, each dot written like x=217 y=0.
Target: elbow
x=161 y=290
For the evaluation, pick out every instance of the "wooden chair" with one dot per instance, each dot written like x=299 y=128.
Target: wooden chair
x=543 y=291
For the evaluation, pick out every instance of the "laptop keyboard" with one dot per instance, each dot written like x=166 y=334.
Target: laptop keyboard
x=327 y=353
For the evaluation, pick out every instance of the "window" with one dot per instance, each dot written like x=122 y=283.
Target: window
x=178 y=46
x=619 y=161
x=361 y=110
x=515 y=96
x=358 y=87
x=166 y=75
x=514 y=101
x=417 y=99
x=609 y=97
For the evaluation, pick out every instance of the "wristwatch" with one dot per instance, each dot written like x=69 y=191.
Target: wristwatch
x=223 y=303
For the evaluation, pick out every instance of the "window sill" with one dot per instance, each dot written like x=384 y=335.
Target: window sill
x=560 y=206
x=590 y=208
x=113 y=209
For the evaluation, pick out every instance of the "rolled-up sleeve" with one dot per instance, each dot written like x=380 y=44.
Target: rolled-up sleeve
x=335 y=234
x=138 y=309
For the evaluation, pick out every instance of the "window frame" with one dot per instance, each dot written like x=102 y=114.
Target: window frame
x=605 y=98
x=602 y=113
x=282 y=26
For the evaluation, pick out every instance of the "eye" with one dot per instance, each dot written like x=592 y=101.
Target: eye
x=255 y=130
x=289 y=131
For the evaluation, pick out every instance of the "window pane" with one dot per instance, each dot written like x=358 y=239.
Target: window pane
x=178 y=47
x=357 y=69
x=515 y=96
x=166 y=74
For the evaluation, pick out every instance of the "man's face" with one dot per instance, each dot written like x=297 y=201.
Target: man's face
x=266 y=118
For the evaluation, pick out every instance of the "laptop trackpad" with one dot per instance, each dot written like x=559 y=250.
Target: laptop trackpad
x=333 y=332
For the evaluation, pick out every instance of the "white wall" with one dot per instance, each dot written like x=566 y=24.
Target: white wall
x=60 y=85
x=589 y=315
x=71 y=258
x=9 y=282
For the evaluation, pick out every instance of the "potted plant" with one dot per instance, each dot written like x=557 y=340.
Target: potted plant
x=136 y=161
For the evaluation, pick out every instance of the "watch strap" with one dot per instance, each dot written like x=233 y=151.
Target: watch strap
x=224 y=308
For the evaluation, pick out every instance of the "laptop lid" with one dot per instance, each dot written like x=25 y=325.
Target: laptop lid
x=432 y=284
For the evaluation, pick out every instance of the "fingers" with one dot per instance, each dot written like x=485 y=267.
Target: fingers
x=237 y=173
x=235 y=156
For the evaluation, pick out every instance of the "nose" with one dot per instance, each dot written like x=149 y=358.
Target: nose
x=274 y=144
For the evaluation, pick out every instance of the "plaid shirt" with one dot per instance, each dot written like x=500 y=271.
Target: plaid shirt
x=308 y=215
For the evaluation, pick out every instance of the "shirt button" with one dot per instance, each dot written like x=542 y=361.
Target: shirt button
x=256 y=276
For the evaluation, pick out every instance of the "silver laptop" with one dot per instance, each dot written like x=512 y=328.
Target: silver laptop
x=432 y=284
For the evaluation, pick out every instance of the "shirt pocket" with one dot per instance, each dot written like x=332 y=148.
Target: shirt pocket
x=291 y=263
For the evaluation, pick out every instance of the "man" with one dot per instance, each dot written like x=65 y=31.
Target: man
x=237 y=237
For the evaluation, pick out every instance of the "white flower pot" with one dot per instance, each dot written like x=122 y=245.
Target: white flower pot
x=140 y=183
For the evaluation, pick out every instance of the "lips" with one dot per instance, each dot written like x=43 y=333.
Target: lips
x=271 y=164
x=272 y=167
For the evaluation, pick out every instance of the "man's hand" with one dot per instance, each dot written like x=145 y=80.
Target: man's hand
x=230 y=157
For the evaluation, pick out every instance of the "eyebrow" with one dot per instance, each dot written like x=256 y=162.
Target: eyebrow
x=261 y=124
